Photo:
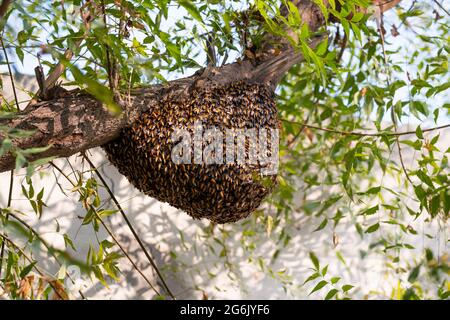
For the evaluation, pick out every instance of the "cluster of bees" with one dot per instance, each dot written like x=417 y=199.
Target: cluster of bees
x=221 y=193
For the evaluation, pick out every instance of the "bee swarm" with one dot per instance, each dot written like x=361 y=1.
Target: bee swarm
x=219 y=192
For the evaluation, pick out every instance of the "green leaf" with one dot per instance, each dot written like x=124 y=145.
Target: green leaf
x=420 y=193
x=347 y=287
x=99 y=275
x=341 y=258
x=25 y=192
x=106 y=213
x=373 y=190
x=414 y=274
x=322 y=225
x=370 y=211
x=20 y=161
x=35 y=150
x=424 y=178
x=89 y=217
x=40 y=194
x=435 y=205
x=335 y=280
x=20 y=54
x=6 y=145
x=331 y=294
x=192 y=9
x=25 y=271
x=314 y=260
x=319 y=286
x=68 y=242
x=98 y=90
x=373 y=228
x=419 y=132
x=445 y=295
x=31 y=191
x=269 y=225
x=321 y=49
x=324 y=271
x=312 y=277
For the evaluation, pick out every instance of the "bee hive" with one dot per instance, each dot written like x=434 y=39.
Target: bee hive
x=219 y=192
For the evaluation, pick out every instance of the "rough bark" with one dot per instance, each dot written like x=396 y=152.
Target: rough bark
x=79 y=122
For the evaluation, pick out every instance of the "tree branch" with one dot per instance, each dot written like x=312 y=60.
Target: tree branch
x=78 y=121
x=4 y=7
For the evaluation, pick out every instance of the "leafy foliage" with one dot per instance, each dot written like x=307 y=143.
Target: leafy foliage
x=343 y=145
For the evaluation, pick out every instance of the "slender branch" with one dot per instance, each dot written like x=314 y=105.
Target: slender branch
x=442 y=7
x=10 y=73
x=50 y=250
x=397 y=140
x=59 y=69
x=380 y=24
x=11 y=179
x=4 y=7
x=130 y=226
x=108 y=53
x=300 y=131
x=111 y=234
x=364 y=134
x=413 y=4
x=2 y=249
x=342 y=49
x=35 y=266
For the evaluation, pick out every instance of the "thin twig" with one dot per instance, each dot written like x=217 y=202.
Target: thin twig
x=4 y=7
x=110 y=233
x=11 y=181
x=35 y=266
x=394 y=118
x=364 y=134
x=108 y=53
x=2 y=250
x=10 y=74
x=294 y=139
x=49 y=249
x=342 y=48
x=442 y=7
x=130 y=226
x=59 y=69
x=406 y=13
